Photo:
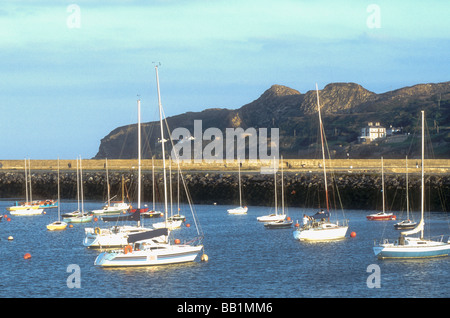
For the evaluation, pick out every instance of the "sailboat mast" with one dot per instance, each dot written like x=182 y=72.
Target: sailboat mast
x=423 y=182
x=323 y=149
x=162 y=145
x=107 y=182
x=282 y=187
x=29 y=171
x=59 y=203
x=382 y=182
x=407 y=195
x=81 y=187
x=239 y=175
x=78 y=186
x=139 y=153
x=153 y=184
x=275 y=183
x=26 y=183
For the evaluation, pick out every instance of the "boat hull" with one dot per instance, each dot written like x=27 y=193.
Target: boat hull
x=169 y=225
x=57 y=226
x=383 y=217
x=79 y=219
x=238 y=210
x=278 y=225
x=29 y=211
x=271 y=218
x=426 y=250
x=405 y=225
x=321 y=233
x=171 y=254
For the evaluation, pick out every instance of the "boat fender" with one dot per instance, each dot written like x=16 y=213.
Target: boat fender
x=128 y=249
x=97 y=230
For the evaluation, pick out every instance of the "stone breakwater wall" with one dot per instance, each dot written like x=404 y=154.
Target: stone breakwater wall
x=302 y=188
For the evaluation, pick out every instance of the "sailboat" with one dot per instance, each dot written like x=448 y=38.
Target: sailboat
x=273 y=216
x=381 y=216
x=240 y=209
x=321 y=228
x=406 y=224
x=284 y=223
x=78 y=216
x=146 y=252
x=57 y=225
x=178 y=216
x=116 y=207
x=170 y=223
x=153 y=213
x=414 y=247
x=119 y=236
x=27 y=208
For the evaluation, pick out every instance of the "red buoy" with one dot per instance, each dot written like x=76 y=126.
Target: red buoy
x=27 y=256
x=177 y=241
x=188 y=225
x=353 y=234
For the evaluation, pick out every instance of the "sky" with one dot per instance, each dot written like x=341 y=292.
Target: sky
x=72 y=71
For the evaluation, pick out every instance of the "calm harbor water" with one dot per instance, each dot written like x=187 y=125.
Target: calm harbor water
x=246 y=260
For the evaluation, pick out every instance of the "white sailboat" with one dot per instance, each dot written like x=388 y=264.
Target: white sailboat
x=284 y=223
x=240 y=209
x=57 y=225
x=414 y=247
x=119 y=235
x=147 y=252
x=27 y=208
x=273 y=217
x=112 y=207
x=382 y=216
x=153 y=213
x=170 y=223
x=78 y=216
x=320 y=228
x=408 y=223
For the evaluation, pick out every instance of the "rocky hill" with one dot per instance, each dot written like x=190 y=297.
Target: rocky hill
x=346 y=108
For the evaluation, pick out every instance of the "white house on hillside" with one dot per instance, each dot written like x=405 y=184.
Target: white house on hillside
x=372 y=132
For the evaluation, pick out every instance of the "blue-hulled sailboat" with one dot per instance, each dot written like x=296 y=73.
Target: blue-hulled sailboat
x=414 y=247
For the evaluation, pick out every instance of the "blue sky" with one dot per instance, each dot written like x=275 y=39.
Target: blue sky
x=71 y=74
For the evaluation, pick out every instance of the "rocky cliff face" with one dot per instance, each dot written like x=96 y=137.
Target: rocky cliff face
x=346 y=108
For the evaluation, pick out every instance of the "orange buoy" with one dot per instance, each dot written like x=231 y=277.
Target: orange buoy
x=95 y=219
x=177 y=241
x=8 y=219
x=188 y=225
x=27 y=256
x=288 y=218
x=353 y=234
x=71 y=225
x=297 y=225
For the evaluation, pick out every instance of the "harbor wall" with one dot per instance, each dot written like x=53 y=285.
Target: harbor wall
x=434 y=166
x=359 y=184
